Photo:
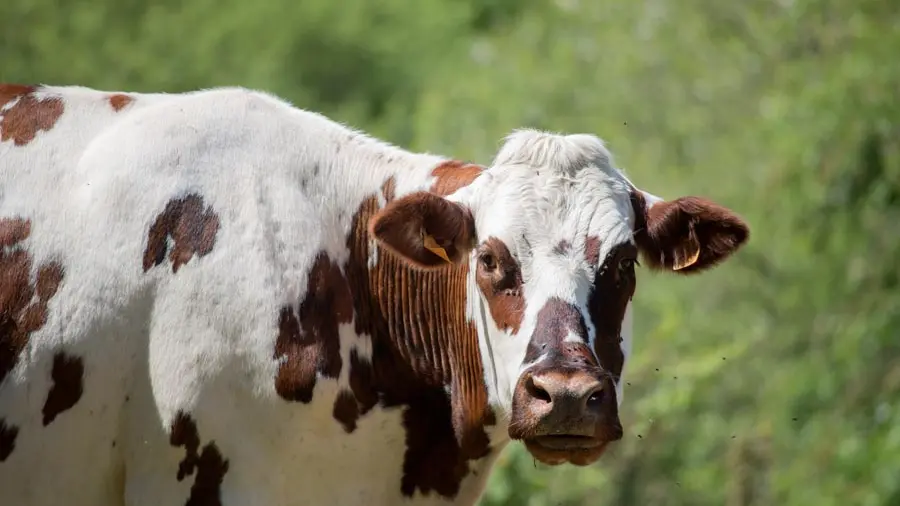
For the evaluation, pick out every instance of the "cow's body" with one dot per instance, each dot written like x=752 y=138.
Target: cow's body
x=192 y=311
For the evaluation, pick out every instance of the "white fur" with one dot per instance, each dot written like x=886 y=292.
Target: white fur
x=284 y=183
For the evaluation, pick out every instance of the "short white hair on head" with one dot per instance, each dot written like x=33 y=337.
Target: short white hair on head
x=564 y=155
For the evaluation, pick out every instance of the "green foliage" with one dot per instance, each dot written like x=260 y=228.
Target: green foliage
x=773 y=380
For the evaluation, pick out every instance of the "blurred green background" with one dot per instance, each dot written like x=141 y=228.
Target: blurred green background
x=773 y=380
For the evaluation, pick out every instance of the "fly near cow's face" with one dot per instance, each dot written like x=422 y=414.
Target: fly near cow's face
x=550 y=235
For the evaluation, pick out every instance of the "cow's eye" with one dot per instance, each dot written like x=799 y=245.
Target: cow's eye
x=627 y=264
x=488 y=261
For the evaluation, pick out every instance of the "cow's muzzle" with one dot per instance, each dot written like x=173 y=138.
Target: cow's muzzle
x=565 y=415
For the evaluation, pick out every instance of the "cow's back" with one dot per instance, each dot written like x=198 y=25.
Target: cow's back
x=45 y=130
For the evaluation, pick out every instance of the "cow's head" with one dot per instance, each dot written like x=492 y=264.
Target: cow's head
x=551 y=235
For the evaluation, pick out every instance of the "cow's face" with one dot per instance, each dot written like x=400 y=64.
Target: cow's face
x=551 y=235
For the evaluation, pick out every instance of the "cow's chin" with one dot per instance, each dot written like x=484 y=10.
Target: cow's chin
x=556 y=450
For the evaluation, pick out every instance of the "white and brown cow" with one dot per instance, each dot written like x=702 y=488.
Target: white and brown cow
x=217 y=298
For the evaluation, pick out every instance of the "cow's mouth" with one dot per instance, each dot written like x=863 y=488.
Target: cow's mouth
x=567 y=442
x=561 y=448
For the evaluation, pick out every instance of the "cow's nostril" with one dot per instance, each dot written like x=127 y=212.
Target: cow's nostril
x=536 y=391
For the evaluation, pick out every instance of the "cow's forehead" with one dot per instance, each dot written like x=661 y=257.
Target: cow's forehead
x=544 y=190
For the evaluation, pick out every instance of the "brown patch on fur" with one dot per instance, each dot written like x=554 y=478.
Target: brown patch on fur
x=211 y=469
x=184 y=433
x=21 y=313
x=421 y=342
x=308 y=341
x=388 y=189
x=554 y=322
x=13 y=231
x=402 y=224
x=363 y=388
x=500 y=280
x=28 y=115
x=67 y=375
x=668 y=232
x=614 y=286
x=119 y=101
x=453 y=175
x=10 y=92
x=8 y=434
x=592 y=250
x=346 y=410
x=209 y=464
x=192 y=230
x=434 y=460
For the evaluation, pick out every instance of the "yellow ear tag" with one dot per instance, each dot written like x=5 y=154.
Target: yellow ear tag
x=691 y=254
x=432 y=246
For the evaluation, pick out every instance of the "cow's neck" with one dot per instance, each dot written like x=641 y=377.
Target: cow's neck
x=421 y=340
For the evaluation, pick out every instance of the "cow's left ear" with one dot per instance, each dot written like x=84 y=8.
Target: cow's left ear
x=424 y=229
x=686 y=235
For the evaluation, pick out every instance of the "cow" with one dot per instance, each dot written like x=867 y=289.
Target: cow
x=217 y=298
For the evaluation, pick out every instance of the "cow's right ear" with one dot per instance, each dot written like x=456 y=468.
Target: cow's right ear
x=424 y=229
